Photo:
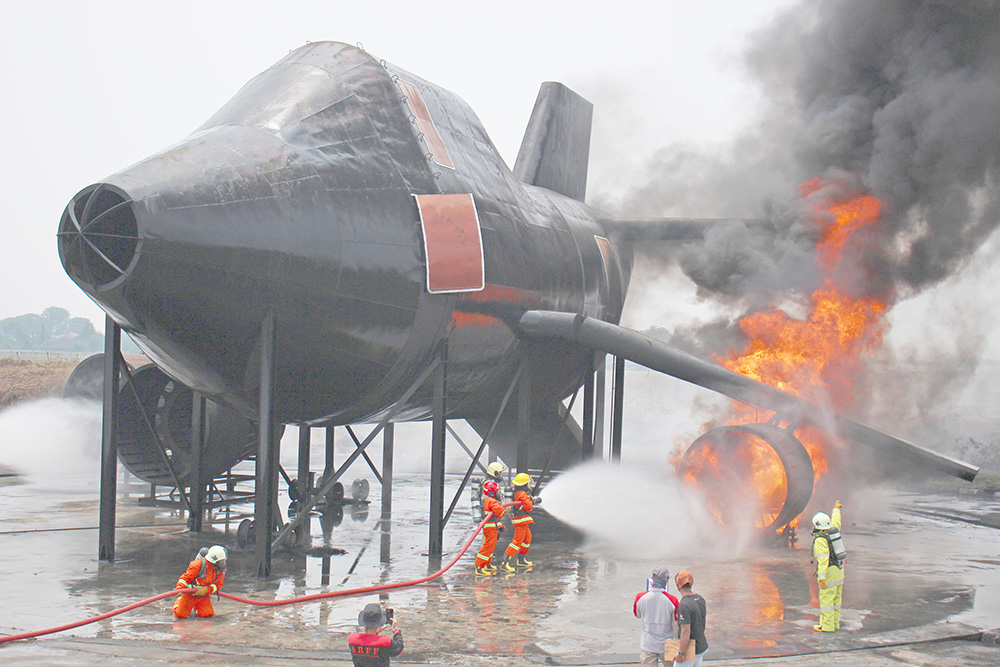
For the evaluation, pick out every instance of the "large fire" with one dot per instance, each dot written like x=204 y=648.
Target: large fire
x=818 y=357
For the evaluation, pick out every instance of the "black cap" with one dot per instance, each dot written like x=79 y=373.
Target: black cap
x=371 y=616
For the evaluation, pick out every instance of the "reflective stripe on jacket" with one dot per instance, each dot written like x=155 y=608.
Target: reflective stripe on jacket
x=521 y=511
x=193 y=576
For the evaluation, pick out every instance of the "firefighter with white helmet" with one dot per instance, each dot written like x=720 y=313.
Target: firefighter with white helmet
x=206 y=574
x=829 y=555
x=522 y=521
x=495 y=472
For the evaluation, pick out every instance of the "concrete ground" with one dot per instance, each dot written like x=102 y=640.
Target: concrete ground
x=922 y=586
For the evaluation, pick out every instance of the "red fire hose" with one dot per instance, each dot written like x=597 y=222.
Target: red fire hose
x=263 y=603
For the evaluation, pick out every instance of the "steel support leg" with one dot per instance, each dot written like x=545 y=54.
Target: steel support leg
x=109 y=442
x=266 y=483
x=196 y=479
x=305 y=441
x=618 y=404
x=388 y=443
x=600 y=382
x=587 y=444
x=436 y=538
x=524 y=415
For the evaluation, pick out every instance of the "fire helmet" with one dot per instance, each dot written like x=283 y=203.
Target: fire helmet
x=490 y=488
x=522 y=479
x=495 y=469
x=821 y=521
x=215 y=554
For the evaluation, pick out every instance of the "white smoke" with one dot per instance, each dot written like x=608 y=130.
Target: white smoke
x=53 y=443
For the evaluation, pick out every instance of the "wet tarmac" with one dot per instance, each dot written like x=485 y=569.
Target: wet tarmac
x=922 y=568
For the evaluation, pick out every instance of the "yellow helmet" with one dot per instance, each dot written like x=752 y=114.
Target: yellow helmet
x=522 y=479
x=495 y=469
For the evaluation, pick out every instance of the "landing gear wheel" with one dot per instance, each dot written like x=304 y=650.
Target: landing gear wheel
x=300 y=537
x=244 y=533
x=359 y=490
x=335 y=494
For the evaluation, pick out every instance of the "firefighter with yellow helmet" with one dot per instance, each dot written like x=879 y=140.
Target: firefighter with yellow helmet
x=522 y=521
x=830 y=556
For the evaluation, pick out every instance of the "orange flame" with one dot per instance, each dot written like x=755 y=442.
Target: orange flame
x=819 y=357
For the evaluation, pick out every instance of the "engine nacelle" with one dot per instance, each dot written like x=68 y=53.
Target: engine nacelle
x=752 y=472
x=155 y=403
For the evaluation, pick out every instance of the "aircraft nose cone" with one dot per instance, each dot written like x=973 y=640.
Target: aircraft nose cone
x=98 y=236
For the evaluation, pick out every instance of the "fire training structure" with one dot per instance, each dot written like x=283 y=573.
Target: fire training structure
x=341 y=244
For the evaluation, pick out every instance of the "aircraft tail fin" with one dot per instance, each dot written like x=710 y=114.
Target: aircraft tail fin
x=555 y=150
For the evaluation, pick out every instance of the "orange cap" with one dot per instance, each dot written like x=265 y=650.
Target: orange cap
x=684 y=578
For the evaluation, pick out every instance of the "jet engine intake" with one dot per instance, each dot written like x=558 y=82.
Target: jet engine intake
x=154 y=428
x=752 y=474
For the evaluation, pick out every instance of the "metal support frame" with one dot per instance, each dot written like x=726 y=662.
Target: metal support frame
x=266 y=465
x=524 y=415
x=331 y=479
x=435 y=540
x=600 y=382
x=482 y=445
x=305 y=440
x=617 y=408
x=109 y=442
x=196 y=514
x=368 y=459
x=388 y=445
x=587 y=439
x=161 y=446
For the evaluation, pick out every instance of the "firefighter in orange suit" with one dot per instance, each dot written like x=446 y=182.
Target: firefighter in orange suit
x=205 y=574
x=491 y=504
x=522 y=524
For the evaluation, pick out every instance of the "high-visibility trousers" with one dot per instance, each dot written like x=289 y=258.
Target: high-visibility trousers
x=485 y=554
x=186 y=602
x=521 y=542
x=830 y=599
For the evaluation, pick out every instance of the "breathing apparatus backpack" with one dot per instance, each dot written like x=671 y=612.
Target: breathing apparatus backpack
x=835 y=543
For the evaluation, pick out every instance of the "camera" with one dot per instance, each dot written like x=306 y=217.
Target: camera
x=388 y=613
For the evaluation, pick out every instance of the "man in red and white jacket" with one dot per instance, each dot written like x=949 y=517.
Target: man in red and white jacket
x=369 y=648
x=658 y=611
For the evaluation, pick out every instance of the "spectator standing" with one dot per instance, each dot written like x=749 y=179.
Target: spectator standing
x=692 y=615
x=657 y=609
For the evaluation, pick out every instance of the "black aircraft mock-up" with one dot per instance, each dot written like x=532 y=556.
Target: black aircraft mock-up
x=341 y=243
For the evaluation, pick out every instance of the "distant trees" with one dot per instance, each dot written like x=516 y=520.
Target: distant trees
x=54 y=329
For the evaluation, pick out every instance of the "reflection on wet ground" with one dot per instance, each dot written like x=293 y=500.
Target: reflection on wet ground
x=913 y=568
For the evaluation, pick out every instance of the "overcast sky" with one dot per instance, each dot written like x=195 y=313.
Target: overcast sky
x=91 y=87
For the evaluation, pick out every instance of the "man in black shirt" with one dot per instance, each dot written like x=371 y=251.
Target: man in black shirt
x=369 y=648
x=692 y=614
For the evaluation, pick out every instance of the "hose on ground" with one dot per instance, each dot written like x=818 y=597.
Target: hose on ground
x=263 y=603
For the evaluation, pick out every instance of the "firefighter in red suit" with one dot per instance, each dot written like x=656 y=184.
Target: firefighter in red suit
x=491 y=504
x=522 y=524
x=369 y=648
x=205 y=574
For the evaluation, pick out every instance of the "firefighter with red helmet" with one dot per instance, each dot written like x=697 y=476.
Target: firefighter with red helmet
x=205 y=574
x=522 y=521
x=491 y=506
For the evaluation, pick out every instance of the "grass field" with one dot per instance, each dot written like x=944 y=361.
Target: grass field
x=26 y=379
